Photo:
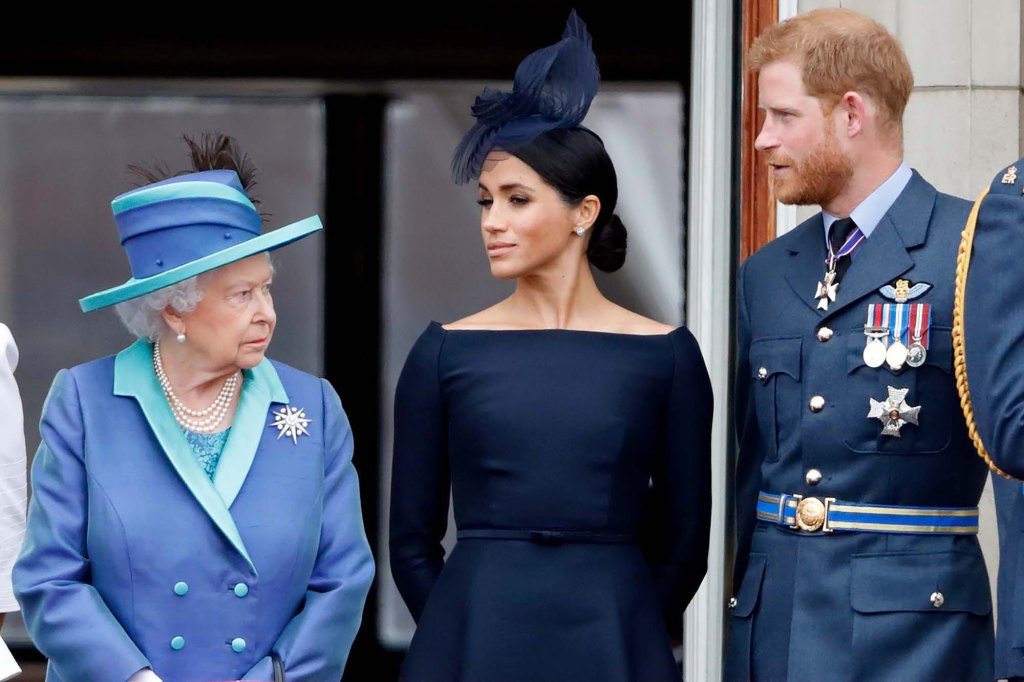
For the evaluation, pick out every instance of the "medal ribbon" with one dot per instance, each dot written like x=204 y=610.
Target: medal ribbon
x=921 y=322
x=855 y=239
x=899 y=328
x=915 y=320
x=874 y=323
x=875 y=316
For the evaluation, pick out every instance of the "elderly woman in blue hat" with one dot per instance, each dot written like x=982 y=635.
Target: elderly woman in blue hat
x=195 y=512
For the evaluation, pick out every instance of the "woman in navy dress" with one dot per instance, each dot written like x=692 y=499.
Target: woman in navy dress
x=573 y=434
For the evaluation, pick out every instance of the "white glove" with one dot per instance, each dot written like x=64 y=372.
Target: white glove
x=145 y=675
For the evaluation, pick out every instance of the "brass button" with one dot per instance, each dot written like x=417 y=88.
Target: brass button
x=824 y=334
x=937 y=600
x=733 y=602
x=813 y=477
x=816 y=403
x=762 y=373
x=810 y=514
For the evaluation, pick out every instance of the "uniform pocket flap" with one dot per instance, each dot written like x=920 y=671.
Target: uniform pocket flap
x=934 y=581
x=940 y=348
x=775 y=356
x=746 y=600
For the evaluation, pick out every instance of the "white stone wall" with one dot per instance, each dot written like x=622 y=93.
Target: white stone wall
x=965 y=119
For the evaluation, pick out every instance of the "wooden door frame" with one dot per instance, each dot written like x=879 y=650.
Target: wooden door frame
x=757 y=211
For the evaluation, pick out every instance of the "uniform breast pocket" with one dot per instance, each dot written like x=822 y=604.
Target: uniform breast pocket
x=775 y=374
x=931 y=387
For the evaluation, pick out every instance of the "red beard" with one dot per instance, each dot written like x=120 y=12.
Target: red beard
x=816 y=179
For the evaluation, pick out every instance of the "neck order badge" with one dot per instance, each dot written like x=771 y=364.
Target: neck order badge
x=828 y=287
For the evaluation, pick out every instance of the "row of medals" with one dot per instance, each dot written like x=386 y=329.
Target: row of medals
x=876 y=352
x=896 y=355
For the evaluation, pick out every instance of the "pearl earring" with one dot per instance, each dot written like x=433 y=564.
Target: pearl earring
x=180 y=338
x=580 y=230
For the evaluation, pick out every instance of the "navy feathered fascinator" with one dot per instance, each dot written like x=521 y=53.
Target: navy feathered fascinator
x=553 y=89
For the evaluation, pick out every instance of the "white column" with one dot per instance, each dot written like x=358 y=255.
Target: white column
x=708 y=299
x=786 y=216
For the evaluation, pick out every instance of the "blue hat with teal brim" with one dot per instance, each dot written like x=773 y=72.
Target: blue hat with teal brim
x=187 y=225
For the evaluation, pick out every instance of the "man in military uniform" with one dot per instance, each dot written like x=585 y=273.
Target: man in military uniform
x=989 y=332
x=857 y=484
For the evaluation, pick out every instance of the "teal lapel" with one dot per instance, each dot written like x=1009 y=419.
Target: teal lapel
x=260 y=388
x=134 y=376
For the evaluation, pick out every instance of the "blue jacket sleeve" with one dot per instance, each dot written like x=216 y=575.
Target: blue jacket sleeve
x=994 y=325
x=681 y=492
x=750 y=454
x=65 y=615
x=315 y=644
x=420 y=478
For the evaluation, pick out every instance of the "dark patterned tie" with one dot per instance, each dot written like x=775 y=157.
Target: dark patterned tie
x=837 y=236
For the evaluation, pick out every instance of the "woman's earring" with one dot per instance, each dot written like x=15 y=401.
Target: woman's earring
x=180 y=338
x=580 y=230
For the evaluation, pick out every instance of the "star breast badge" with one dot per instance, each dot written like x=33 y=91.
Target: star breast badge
x=291 y=422
x=894 y=412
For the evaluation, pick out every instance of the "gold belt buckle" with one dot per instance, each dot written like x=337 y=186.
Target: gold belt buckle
x=812 y=513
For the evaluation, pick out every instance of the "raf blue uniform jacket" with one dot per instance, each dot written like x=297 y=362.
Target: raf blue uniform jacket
x=854 y=605
x=134 y=558
x=994 y=353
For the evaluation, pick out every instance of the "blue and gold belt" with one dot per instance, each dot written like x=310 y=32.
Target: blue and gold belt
x=829 y=515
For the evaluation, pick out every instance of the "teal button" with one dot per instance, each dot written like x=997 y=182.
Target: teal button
x=178 y=643
x=181 y=589
x=241 y=589
x=238 y=645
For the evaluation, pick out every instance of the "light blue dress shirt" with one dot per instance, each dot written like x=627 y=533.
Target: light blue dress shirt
x=870 y=212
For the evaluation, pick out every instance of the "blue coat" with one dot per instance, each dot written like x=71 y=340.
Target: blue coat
x=993 y=330
x=133 y=558
x=854 y=605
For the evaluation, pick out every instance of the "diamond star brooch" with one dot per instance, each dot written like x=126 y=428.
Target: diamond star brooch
x=292 y=422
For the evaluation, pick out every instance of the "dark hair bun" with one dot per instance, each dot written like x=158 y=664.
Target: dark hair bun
x=607 y=248
x=575 y=162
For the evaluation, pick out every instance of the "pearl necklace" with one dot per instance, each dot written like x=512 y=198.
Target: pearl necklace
x=200 y=421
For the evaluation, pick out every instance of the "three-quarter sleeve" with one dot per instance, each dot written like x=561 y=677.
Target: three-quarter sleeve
x=420 y=477
x=681 y=479
x=13 y=491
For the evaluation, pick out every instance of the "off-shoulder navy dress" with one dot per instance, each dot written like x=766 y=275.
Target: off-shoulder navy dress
x=579 y=466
